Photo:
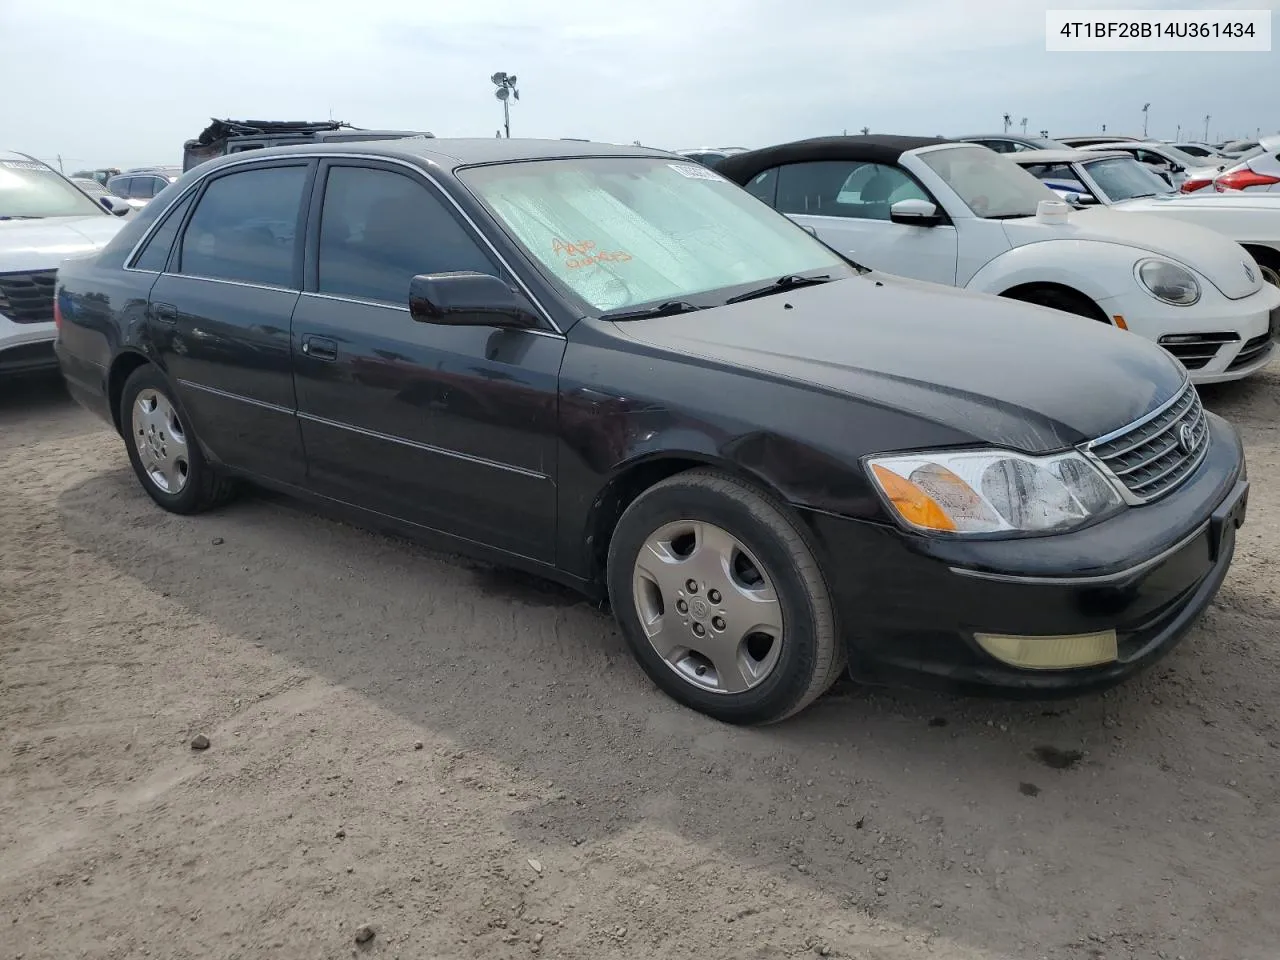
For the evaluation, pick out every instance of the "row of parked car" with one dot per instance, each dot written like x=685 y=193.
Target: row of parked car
x=777 y=457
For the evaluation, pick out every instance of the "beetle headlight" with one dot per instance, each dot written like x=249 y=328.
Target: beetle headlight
x=993 y=491
x=1169 y=282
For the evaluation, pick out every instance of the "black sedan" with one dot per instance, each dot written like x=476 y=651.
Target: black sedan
x=612 y=367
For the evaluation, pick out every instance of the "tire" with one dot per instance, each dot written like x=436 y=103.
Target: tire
x=1269 y=261
x=761 y=659
x=1068 y=301
x=163 y=449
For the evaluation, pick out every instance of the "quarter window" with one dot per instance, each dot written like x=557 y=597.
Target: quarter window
x=245 y=227
x=379 y=229
x=840 y=188
x=155 y=255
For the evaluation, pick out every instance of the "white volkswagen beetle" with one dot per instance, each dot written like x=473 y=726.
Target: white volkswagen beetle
x=960 y=214
x=1085 y=179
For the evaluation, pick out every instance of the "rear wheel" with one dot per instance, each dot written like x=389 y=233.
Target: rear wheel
x=721 y=599
x=162 y=448
x=1057 y=298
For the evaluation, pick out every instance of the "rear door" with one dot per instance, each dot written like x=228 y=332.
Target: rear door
x=449 y=427
x=219 y=314
x=848 y=202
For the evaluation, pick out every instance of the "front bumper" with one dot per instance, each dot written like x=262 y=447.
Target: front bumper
x=1216 y=339
x=911 y=607
x=26 y=347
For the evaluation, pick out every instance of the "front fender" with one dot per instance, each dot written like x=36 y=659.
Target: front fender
x=1097 y=269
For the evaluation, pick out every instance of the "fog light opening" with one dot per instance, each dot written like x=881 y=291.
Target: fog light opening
x=1063 y=652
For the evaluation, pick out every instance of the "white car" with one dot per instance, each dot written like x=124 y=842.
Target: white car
x=960 y=214
x=1116 y=180
x=1170 y=163
x=44 y=220
x=1255 y=171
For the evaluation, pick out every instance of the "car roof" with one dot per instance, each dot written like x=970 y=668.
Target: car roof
x=877 y=148
x=1063 y=156
x=449 y=153
x=1016 y=137
x=1122 y=144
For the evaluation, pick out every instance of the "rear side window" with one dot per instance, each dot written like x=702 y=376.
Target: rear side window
x=379 y=229
x=155 y=254
x=245 y=227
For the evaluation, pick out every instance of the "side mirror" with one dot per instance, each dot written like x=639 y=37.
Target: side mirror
x=915 y=213
x=115 y=205
x=468 y=300
x=1080 y=199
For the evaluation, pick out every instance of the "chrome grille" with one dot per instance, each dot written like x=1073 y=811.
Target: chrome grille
x=27 y=297
x=1252 y=350
x=1154 y=455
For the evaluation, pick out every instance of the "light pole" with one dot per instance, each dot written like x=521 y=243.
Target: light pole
x=1007 y=121
x=1024 y=126
x=1178 y=136
x=1206 y=127
x=1145 y=108
x=506 y=87
x=865 y=131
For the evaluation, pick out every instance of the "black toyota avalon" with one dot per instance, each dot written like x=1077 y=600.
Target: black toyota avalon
x=614 y=368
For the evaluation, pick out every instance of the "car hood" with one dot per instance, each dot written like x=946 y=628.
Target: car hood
x=995 y=370
x=43 y=244
x=1214 y=256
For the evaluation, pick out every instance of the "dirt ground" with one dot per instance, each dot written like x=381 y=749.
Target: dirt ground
x=469 y=762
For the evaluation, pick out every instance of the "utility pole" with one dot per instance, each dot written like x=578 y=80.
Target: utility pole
x=506 y=87
x=1145 y=108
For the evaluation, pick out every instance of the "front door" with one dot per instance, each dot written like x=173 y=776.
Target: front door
x=452 y=428
x=219 y=313
x=848 y=202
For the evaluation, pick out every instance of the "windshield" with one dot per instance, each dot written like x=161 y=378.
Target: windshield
x=990 y=184
x=30 y=190
x=620 y=231
x=1123 y=178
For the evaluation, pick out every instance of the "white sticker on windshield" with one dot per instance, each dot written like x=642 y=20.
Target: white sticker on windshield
x=694 y=171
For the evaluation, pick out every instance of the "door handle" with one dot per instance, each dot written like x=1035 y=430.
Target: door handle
x=319 y=348
x=164 y=312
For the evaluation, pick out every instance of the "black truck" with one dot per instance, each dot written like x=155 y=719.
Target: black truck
x=223 y=137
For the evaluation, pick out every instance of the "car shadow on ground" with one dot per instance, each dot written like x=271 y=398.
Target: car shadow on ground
x=1040 y=823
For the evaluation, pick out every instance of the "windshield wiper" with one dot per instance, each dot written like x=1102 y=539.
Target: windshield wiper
x=789 y=282
x=666 y=309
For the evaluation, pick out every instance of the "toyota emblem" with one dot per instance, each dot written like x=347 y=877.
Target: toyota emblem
x=1186 y=438
x=1248 y=272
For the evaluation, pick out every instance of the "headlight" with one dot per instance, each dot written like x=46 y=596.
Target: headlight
x=993 y=491
x=1169 y=282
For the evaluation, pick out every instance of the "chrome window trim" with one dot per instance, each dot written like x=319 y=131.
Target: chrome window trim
x=254 y=159
x=230 y=283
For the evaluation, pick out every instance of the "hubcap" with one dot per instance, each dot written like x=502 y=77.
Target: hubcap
x=708 y=607
x=161 y=441
x=1271 y=275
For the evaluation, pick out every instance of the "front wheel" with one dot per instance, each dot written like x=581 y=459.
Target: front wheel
x=163 y=449
x=721 y=599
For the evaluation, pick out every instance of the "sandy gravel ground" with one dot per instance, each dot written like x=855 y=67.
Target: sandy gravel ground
x=468 y=761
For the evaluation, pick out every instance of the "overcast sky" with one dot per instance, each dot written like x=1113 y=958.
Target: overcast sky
x=125 y=82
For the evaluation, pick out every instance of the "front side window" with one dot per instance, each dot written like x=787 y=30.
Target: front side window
x=120 y=186
x=245 y=226
x=844 y=188
x=764 y=186
x=143 y=188
x=31 y=191
x=1123 y=178
x=620 y=231
x=992 y=187
x=379 y=229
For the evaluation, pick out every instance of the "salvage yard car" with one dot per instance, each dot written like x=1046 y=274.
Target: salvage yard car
x=44 y=218
x=960 y=214
x=1085 y=178
x=612 y=367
